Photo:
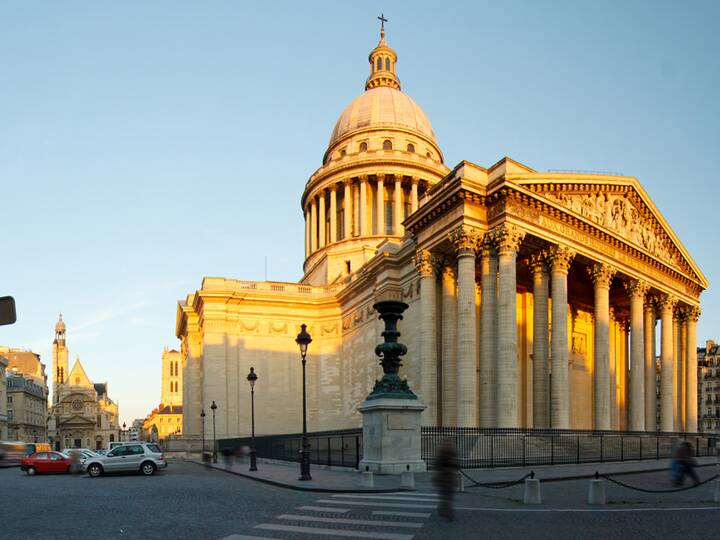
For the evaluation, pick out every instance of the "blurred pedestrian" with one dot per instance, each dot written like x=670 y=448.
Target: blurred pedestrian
x=683 y=463
x=445 y=478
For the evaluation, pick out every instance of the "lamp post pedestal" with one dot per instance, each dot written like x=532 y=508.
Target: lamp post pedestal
x=392 y=412
x=391 y=436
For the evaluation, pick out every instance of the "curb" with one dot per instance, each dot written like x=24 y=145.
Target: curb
x=277 y=483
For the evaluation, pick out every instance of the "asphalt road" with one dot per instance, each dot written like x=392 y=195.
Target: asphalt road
x=190 y=502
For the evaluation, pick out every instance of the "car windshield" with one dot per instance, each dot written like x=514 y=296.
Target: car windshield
x=64 y=454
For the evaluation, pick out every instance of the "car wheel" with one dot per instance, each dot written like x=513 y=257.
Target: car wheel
x=147 y=468
x=95 y=470
x=31 y=471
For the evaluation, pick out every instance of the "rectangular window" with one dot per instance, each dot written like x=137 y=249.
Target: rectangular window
x=99 y=422
x=388 y=217
x=341 y=224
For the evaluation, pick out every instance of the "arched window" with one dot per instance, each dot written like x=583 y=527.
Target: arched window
x=387 y=64
x=363 y=147
x=112 y=438
x=428 y=155
x=378 y=64
x=411 y=147
x=387 y=145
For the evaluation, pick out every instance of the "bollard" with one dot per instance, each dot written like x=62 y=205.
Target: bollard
x=407 y=479
x=460 y=483
x=532 y=490
x=596 y=492
x=367 y=479
x=716 y=497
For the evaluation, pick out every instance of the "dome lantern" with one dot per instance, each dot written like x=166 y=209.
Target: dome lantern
x=382 y=63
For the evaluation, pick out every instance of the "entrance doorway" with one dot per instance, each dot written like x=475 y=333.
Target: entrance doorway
x=77 y=443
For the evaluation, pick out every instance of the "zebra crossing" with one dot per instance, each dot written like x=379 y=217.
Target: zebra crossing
x=397 y=516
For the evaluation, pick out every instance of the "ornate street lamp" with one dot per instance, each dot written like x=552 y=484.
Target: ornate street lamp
x=202 y=420
x=213 y=407
x=303 y=340
x=252 y=377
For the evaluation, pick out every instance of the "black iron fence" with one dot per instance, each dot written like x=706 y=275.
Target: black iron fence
x=493 y=447
x=341 y=448
x=486 y=447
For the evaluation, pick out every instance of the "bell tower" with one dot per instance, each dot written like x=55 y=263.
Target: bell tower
x=59 y=358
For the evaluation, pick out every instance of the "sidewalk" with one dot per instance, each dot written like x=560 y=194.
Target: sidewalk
x=349 y=481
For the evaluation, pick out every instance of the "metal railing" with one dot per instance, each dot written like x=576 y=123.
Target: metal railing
x=485 y=447
x=494 y=447
x=341 y=448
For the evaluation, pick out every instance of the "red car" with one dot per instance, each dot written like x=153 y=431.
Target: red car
x=45 y=462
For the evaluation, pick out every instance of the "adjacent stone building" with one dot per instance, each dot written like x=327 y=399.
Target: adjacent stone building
x=534 y=296
x=3 y=399
x=82 y=415
x=27 y=395
x=709 y=391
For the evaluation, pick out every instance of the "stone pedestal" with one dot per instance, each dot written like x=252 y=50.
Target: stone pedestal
x=596 y=492
x=391 y=435
x=532 y=491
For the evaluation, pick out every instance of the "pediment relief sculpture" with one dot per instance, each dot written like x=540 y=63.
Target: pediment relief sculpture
x=617 y=213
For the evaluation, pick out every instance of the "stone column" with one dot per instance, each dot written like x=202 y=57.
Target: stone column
x=380 y=204
x=321 y=219
x=488 y=347
x=691 y=424
x=333 y=214
x=559 y=258
x=425 y=263
x=677 y=366
x=466 y=241
x=348 y=207
x=399 y=230
x=601 y=275
x=666 y=304
x=414 y=195
x=681 y=367
x=307 y=232
x=650 y=373
x=449 y=346
x=364 y=229
x=508 y=238
x=313 y=227
x=636 y=414
x=541 y=285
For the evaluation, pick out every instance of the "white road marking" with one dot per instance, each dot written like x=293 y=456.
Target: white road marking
x=678 y=509
x=378 y=503
x=246 y=537
x=385 y=498
x=343 y=521
x=334 y=532
x=324 y=509
x=401 y=514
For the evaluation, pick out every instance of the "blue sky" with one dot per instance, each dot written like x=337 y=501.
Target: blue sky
x=146 y=145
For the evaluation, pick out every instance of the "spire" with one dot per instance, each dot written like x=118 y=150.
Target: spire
x=382 y=63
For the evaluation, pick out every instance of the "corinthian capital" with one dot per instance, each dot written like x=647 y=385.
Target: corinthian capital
x=636 y=289
x=601 y=274
x=466 y=239
x=560 y=258
x=665 y=302
x=693 y=313
x=507 y=238
x=425 y=262
x=537 y=263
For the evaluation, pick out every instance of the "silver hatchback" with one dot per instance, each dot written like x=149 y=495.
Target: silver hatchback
x=142 y=457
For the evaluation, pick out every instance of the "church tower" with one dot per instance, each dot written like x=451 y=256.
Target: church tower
x=59 y=358
x=171 y=393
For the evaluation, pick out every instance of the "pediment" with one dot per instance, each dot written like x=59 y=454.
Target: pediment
x=622 y=208
x=77 y=420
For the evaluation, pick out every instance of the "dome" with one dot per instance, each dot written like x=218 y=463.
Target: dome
x=60 y=325
x=382 y=107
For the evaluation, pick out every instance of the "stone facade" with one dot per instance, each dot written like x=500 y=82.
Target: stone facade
x=82 y=414
x=26 y=409
x=709 y=392
x=3 y=399
x=531 y=295
x=171 y=393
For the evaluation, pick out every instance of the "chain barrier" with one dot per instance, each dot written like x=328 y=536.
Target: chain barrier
x=645 y=490
x=496 y=485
